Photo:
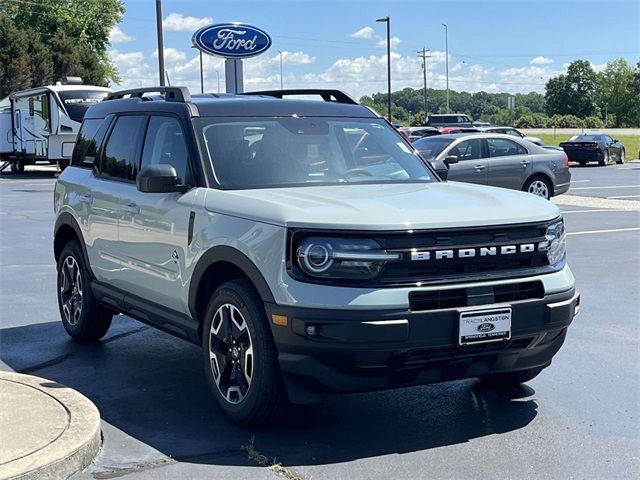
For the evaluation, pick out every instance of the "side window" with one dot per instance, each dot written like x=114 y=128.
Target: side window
x=85 y=149
x=467 y=150
x=500 y=147
x=119 y=160
x=165 y=144
x=513 y=133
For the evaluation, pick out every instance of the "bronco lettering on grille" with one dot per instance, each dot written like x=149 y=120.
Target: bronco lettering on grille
x=422 y=255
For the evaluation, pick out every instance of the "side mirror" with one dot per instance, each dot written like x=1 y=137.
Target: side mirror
x=451 y=159
x=441 y=170
x=161 y=178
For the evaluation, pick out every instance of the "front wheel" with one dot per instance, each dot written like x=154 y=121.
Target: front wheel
x=511 y=379
x=240 y=356
x=538 y=186
x=82 y=317
x=620 y=160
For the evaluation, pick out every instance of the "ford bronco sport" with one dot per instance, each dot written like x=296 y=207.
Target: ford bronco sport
x=305 y=246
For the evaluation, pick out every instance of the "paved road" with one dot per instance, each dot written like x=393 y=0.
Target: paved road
x=612 y=181
x=579 y=419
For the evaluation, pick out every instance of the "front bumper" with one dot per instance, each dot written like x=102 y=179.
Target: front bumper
x=362 y=350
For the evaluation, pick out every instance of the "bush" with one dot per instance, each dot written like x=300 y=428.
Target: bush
x=593 y=122
x=565 y=121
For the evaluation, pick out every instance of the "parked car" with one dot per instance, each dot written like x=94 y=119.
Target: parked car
x=449 y=120
x=499 y=160
x=513 y=132
x=447 y=130
x=594 y=147
x=418 y=132
x=305 y=246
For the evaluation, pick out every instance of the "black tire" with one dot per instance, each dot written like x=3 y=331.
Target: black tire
x=249 y=389
x=620 y=160
x=605 y=159
x=538 y=185
x=62 y=164
x=83 y=318
x=17 y=166
x=510 y=379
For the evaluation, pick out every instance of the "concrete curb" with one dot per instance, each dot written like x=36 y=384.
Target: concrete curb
x=47 y=430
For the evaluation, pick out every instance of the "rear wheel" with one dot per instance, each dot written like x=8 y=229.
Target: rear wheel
x=538 y=186
x=620 y=160
x=511 y=379
x=240 y=356
x=83 y=318
x=17 y=166
x=605 y=159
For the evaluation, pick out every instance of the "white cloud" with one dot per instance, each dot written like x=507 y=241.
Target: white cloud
x=171 y=55
x=118 y=36
x=176 y=22
x=294 y=58
x=395 y=41
x=541 y=61
x=364 y=32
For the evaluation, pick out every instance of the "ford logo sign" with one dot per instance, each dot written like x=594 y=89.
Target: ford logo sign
x=486 y=327
x=231 y=40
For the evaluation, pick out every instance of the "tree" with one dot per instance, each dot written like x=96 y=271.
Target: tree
x=617 y=92
x=15 y=73
x=574 y=93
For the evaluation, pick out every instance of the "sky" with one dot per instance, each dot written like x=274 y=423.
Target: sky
x=495 y=46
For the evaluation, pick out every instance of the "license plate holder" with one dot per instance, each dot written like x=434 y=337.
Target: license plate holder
x=484 y=325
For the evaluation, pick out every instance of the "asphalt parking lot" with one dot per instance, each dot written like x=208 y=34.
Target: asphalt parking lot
x=578 y=419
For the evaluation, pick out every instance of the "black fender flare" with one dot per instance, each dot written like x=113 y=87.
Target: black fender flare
x=227 y=254
x=66 y=219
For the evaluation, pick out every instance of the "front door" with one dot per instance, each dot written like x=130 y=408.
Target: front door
x=471 y=166
x=509 y=163
x=154 y=227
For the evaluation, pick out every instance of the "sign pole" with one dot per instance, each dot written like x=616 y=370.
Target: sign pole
x=233 y=75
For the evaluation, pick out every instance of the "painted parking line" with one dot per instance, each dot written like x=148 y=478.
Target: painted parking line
x=612 y=230
x=608 y=186
x=579 y=181
x=596 y=210
x=625 y=196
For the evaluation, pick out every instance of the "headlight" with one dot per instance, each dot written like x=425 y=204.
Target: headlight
x=342 y=258
x=555 y=243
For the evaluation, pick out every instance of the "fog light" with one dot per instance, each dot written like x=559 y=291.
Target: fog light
x=311 y=330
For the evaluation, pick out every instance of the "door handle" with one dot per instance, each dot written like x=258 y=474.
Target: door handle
x=479 y=167
x=86 y=198
x=130 y=208
x=524 y=163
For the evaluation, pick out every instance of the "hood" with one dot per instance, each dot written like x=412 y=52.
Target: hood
x=383 y=207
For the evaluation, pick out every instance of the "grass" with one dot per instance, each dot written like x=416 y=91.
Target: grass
x=271 y=463
x=631 y=143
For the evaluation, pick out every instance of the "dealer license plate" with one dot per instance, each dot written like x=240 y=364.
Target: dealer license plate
x=480 y=326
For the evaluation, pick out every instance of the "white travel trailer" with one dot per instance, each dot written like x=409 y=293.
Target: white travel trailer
x=41 y=124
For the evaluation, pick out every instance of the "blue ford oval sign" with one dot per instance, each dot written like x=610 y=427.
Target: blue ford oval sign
x=232 y=40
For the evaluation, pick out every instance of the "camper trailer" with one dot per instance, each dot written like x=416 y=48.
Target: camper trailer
x=41 y=124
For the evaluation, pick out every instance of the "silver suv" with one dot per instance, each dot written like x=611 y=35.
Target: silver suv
x=305 y=246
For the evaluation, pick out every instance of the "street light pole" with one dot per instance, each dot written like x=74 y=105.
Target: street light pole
x=387 y=20
x=218 y=74
x=281 y=82
x=160 y=42
x=201 y=74
x=446 y=47
x=424 y=56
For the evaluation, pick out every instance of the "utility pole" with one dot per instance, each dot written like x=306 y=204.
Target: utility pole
x=446 y=47
x=160 y=42
x=281 y=81
x=387 y=20
x=423 y=54
x=201 y=74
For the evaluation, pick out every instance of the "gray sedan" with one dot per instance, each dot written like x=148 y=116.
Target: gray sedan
x=498 y=160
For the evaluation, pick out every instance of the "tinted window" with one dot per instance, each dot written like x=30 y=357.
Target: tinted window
x=119 y=160
x=500 y=147
x=165 y=144
x=250 y=153
x=513 y=132
x=86 y=143
x=431 y=147
x=467 y=150
x=76 y=102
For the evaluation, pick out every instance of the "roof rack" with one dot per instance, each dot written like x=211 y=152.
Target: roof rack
x=327 y=95
x=171 y=94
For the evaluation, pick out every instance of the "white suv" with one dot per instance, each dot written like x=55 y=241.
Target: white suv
x=305 y=245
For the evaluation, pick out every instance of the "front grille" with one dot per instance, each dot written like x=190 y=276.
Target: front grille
x=465 y=297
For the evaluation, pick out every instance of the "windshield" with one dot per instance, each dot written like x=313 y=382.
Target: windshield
x=431 y=147
x=292 y=151
x=76 y=102
x=588 y=138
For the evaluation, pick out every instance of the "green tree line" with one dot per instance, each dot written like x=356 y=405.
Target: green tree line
x=42 y=42
x=579 y=98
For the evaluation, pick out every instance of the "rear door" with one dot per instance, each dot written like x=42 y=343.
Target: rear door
x=471 y=166
x=154 y=227
x=509 y=163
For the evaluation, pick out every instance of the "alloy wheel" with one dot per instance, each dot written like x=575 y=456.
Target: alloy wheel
x=71 y=290
x=231 y=353
x=538 y=187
